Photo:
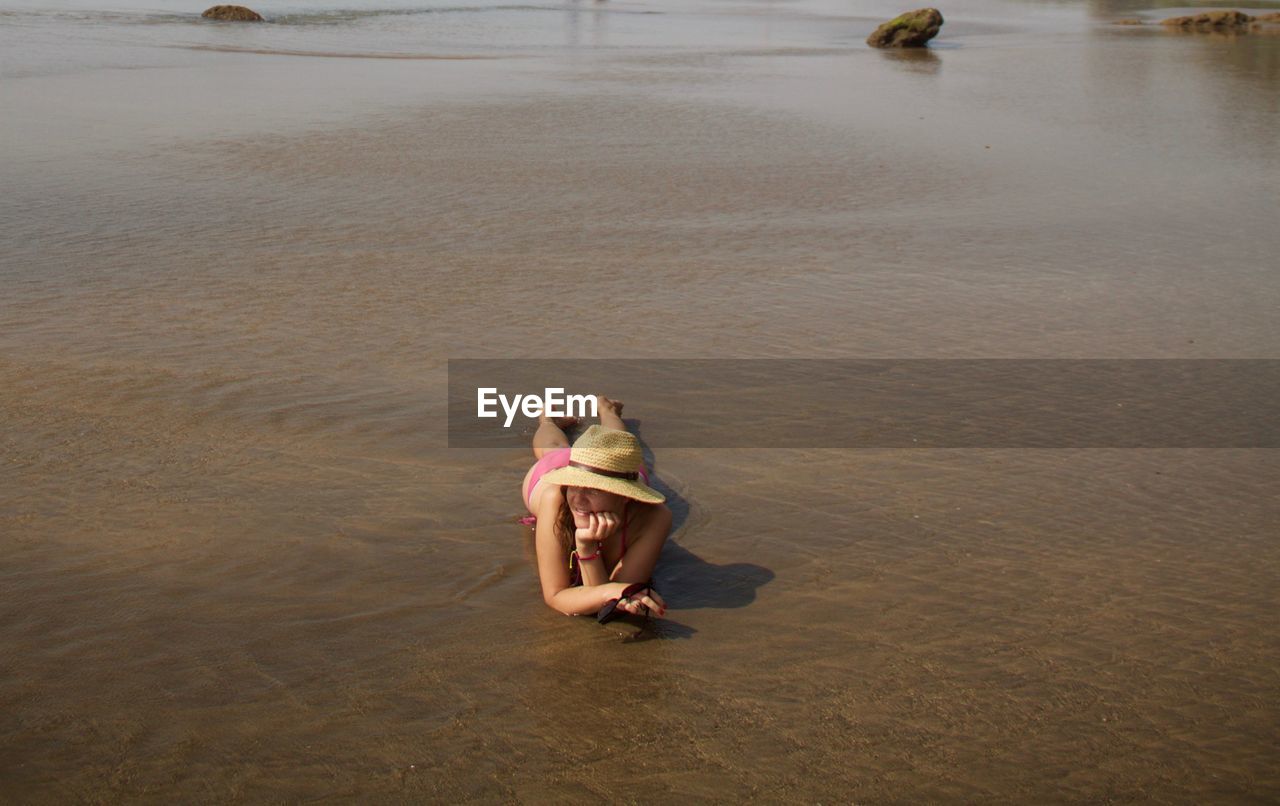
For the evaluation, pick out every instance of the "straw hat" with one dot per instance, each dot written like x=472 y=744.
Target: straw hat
x=606 y=459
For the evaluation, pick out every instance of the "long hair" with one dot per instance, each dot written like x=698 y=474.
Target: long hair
x=565 y=527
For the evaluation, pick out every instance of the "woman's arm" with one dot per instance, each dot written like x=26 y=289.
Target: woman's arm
x=650 y=530
x=584 y=601
x=553 y=567
x=590 y=560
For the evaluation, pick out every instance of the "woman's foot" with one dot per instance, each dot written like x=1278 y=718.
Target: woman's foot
x=610 y=412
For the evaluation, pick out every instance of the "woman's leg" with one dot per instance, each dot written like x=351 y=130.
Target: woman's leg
x=610 y=412
x=550 y=434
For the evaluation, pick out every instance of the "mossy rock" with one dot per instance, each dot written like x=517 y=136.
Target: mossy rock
x=1211 y=21
x=231 y=14
x=913 y=29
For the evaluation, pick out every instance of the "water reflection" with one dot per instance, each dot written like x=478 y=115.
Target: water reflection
x=913 y=60
x=597 y=23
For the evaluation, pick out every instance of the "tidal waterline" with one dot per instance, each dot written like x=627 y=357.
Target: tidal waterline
x=239 y=562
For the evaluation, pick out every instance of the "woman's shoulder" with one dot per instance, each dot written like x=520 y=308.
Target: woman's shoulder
x=648 y=510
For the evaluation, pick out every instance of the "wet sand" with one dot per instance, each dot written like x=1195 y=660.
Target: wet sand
x=239 y=563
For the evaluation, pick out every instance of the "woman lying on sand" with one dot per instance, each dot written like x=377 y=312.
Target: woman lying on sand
x=599 y=527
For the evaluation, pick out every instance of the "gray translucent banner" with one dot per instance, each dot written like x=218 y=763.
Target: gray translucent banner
x=887 y=403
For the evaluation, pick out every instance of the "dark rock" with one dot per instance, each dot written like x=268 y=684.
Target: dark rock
x=1210 y=21
x=232 y=14
x=913 y=29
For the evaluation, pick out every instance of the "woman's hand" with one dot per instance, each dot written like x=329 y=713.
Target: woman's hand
x=601 y=526
x=646 y=598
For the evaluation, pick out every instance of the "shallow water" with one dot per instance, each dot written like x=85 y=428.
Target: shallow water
x=239 y=562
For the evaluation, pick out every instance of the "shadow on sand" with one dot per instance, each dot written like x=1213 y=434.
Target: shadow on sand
x=687 y=581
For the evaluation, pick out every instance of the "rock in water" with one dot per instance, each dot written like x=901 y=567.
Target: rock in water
x=1210 y=21
x=232 y=14
x=911 y=30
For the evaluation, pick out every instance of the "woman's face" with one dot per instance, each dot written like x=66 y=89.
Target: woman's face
x=584 y=500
